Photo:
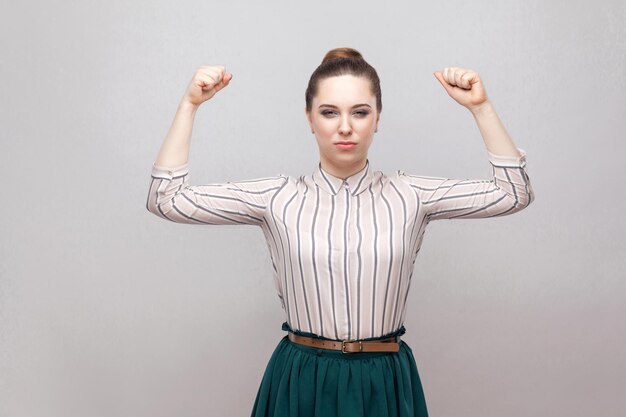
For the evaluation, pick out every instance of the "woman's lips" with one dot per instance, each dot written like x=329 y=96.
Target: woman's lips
x=345 y=145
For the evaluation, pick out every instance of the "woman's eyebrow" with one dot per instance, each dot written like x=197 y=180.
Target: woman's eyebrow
x=335 y=107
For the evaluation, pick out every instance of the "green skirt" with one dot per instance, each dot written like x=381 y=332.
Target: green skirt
x=304 y=381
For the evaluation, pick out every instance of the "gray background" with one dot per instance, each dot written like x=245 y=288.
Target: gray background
x=107 y=310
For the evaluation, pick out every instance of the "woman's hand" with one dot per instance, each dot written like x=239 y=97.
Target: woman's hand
x=207 y=81
x=464 y=86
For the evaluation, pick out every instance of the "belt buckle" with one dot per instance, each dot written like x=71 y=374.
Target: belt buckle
x=343 y=345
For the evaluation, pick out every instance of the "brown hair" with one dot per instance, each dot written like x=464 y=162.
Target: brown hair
x=342 y=61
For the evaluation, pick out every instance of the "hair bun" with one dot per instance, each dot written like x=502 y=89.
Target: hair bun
x=342 y=53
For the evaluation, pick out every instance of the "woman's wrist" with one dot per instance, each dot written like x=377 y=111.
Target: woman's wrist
x=482 y=108
x=187 y=106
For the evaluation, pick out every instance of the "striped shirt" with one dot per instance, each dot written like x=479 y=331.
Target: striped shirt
x=342 y=251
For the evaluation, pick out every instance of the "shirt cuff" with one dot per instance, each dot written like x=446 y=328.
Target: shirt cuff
x=170 y=172
x=505 y=160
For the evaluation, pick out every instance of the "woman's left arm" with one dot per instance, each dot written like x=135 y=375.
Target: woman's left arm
x=509 y=190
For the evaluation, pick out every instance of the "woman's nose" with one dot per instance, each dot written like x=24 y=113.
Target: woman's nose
x=344 y=125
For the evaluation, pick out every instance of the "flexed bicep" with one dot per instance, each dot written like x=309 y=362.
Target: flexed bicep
x=235 y=202
x=508 y=191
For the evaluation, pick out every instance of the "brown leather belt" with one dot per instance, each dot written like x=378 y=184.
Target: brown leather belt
x=391 y=344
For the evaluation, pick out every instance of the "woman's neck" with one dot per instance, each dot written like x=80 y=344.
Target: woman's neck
x=343 y=171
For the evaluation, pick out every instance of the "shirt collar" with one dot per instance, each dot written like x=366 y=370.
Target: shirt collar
x=357 y=183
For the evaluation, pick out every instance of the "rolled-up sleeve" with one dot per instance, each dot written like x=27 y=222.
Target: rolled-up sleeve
x=234 y=202
x=508 y=192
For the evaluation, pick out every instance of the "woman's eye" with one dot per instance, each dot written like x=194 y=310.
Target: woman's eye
x=360 y=113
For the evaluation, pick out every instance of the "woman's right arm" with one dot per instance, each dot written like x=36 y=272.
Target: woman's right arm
x=172 y=198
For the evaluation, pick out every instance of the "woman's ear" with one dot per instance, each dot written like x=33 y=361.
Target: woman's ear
x=308 y=118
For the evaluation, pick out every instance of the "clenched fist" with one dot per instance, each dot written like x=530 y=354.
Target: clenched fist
x=464 y=86
x=207 y=81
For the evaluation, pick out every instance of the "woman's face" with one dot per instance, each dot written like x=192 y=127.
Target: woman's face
x=344 y=110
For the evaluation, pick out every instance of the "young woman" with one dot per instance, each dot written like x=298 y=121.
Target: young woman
x=343 y=239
